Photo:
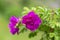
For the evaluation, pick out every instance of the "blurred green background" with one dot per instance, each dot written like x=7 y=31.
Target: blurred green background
x=15 y=7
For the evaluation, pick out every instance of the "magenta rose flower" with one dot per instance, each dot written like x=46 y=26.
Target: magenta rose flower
x=31 y=21
x=12 y=25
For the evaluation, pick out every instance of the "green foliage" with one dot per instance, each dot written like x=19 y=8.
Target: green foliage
x=50 y=21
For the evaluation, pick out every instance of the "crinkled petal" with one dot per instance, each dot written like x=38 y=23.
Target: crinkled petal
x=14 y=30
x=32 y=21
x=12 y=25
x=13 y=19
